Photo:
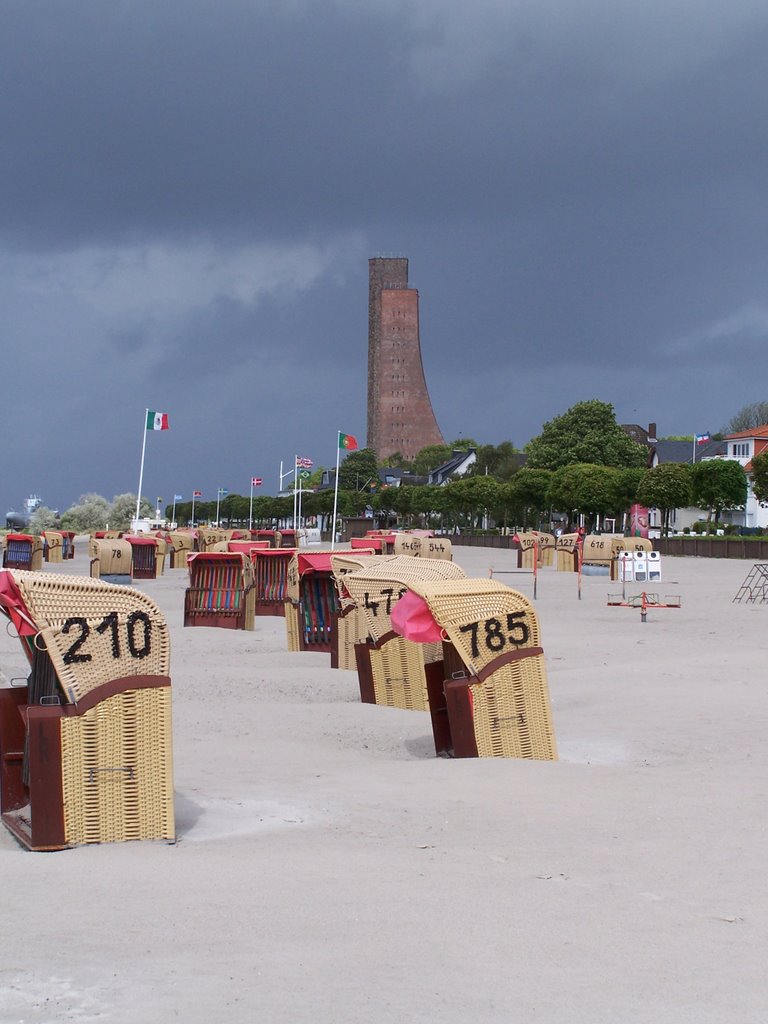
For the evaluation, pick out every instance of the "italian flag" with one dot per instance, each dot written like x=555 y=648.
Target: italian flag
x=157 y=420
x=347 y=442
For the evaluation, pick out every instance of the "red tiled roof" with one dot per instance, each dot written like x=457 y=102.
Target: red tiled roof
x=761 y=431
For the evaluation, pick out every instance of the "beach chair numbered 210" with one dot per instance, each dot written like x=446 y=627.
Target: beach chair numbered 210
x=85 y=746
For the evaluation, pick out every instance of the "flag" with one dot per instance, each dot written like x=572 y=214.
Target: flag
x=303 y=463
x=157 y=420
x=178 y=497
x=197 y=494
x=256 y=481
x=347 y=442
x=304 y=474
x=223 y=491
x=702 y=438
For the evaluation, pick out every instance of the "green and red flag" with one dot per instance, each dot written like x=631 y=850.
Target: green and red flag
x=157 y=420
x=347 y=442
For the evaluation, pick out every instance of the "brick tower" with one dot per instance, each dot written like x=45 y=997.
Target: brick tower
x=400 y=416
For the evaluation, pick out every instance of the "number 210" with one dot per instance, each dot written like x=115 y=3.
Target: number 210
x=138 y=649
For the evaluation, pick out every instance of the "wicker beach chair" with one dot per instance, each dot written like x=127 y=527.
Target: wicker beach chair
x=145 y=558
x=270 y=567
x=632 y=544
x=208 y=536
x=527 y=545
x=407 y=544
x=23 y=551
x=180 y=546
x=221 y=590
x=350 y=626
x=53 y=546
x=497 y=704
x=437 y=547
x=86 y=747
x=312 y=592
x=567 y=553
x=546 y=548
x=391 y=669
x=111 y=560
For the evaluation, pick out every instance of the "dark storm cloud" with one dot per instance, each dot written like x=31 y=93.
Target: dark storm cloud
x=190 y=191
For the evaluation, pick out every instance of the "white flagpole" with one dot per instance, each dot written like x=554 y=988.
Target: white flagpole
x=295 y=481
x=141 y=471
x=694 y=448
x=173 y=514
x=250 y=510
x=218 y=502
x=335 y=492
x=193 y=508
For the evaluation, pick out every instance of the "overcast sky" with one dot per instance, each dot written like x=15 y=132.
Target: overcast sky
x=190 y=192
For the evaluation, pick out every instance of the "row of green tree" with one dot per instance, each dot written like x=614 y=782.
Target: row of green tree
x=91 y=512
x=582 y=462
x=526 y=500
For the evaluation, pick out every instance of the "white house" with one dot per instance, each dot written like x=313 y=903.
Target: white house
x=457 y=465
x=743 y=447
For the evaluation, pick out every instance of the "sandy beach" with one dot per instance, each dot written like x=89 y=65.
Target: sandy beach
x=330 y=869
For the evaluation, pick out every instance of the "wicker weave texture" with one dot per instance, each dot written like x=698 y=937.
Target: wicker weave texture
x=344 y=563
x=566 y=561
x=179 y=541
x=437 y=547
x=565 y=552
x=110 y=557
x=23 y=552
x=207 y=537
x=292 y=626
x=95 y=631
x=488 y=623
x=460 y=605
x=162 y=550
x=546 y=548
x=511 y=712
x=630 y=544
x=117 y=765
x=399 y=680
x=352 y=629
x=407 y=544
x=54 y=546
x=567 y=542
x=597 y=548
x=378 y=587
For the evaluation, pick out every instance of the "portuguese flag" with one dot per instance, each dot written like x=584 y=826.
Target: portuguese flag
x=157 y=420
x=347 y=442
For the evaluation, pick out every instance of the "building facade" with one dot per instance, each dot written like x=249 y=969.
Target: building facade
x=400 y=416
x=743 y=447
